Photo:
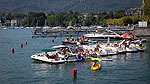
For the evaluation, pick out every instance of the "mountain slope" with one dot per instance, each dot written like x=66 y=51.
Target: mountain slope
x=81 y=6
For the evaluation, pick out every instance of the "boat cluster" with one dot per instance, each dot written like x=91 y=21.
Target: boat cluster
x=73 y=41
x=78 y=52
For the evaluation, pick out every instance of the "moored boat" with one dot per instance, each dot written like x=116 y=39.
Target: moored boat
x=104 y=35
x=42 y=57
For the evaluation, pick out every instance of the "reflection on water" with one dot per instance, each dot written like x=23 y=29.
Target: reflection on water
x=95 y=76
x=47 y=69
x=140 y=54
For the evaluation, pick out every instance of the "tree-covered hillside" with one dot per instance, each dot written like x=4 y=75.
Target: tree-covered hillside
x=81 y=6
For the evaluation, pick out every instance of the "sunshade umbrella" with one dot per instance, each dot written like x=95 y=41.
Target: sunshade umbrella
x=126 y=35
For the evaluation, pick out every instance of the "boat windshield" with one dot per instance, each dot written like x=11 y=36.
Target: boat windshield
x=108 y=33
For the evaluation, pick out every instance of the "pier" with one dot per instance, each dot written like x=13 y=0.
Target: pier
x=39 y=32
x=142 y=31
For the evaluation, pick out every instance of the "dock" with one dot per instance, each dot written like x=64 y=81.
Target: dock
x=72 y=32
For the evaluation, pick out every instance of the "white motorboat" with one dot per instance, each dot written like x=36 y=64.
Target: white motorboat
x=51 y=59
x=55 y=56
x=42 y=57
x=138 y=47
x=137 y=41
x=131 y=49
x=110 y=50
x=104 y=35
x=120 y=50
x=103 y=50
x=103 y=53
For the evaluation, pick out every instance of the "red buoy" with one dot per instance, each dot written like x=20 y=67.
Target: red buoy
x=74 y=72
x=21 y=45
x=55 y=37
x=25 y=43
x=52 y=40
x=12 y=50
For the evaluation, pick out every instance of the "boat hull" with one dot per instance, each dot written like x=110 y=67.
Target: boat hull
x=45 y=59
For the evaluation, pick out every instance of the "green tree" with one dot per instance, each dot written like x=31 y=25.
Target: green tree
x=119 y=14
x=135 y=20
x=110 y=15
x=127 y=20
x=9 y=15
x=25 y=22
x=18 y=15
x=56 y=20
x=90 y=20
x=109 y=21
x=35 y=19
x=146 y=8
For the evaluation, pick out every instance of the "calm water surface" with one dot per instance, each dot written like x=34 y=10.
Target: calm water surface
x=19 y=68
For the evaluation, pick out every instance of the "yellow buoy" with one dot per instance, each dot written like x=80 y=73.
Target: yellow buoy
x=97 y=67
x=142 y=47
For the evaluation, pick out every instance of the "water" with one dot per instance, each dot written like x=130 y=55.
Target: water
x=19 y=68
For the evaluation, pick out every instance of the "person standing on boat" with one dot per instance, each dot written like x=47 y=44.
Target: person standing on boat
x=125 y=45
x=86 y=54
x=78 y=48
x=108 y=41
x=97 y=31
x=68 y=39
x=79 y=57
x=47 y=55
x=140 y=42
x=115 y=44
x=56 y=55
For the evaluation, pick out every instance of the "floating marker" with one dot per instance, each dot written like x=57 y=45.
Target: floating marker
x=74 y=73
x=25 y=43
x=55 y=37
x=21 y=45
x=52 y=40
x=13 y=50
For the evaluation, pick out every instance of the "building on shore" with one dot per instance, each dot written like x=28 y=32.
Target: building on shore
x=16 y=22
x=131 y=12
x=5 y=21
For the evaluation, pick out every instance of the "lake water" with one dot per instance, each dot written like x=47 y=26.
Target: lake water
x=19 y=68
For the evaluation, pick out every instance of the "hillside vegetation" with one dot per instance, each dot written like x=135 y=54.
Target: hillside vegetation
x=57 y=6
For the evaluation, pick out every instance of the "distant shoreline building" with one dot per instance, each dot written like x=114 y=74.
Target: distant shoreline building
x=5 y=21
x=141 y=12
x=16 y=22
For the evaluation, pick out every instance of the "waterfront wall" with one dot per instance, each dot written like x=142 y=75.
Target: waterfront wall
x=142 y=32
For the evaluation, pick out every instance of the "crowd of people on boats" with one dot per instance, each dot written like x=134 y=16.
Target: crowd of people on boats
x=82 y=48
x=73 y=40
x=82 y=52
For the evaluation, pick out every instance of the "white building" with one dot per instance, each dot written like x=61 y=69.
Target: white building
x=16 y=22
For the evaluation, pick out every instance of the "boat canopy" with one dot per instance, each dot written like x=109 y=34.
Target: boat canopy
x=126 y=35
x=63 y=46
x=48 y=50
